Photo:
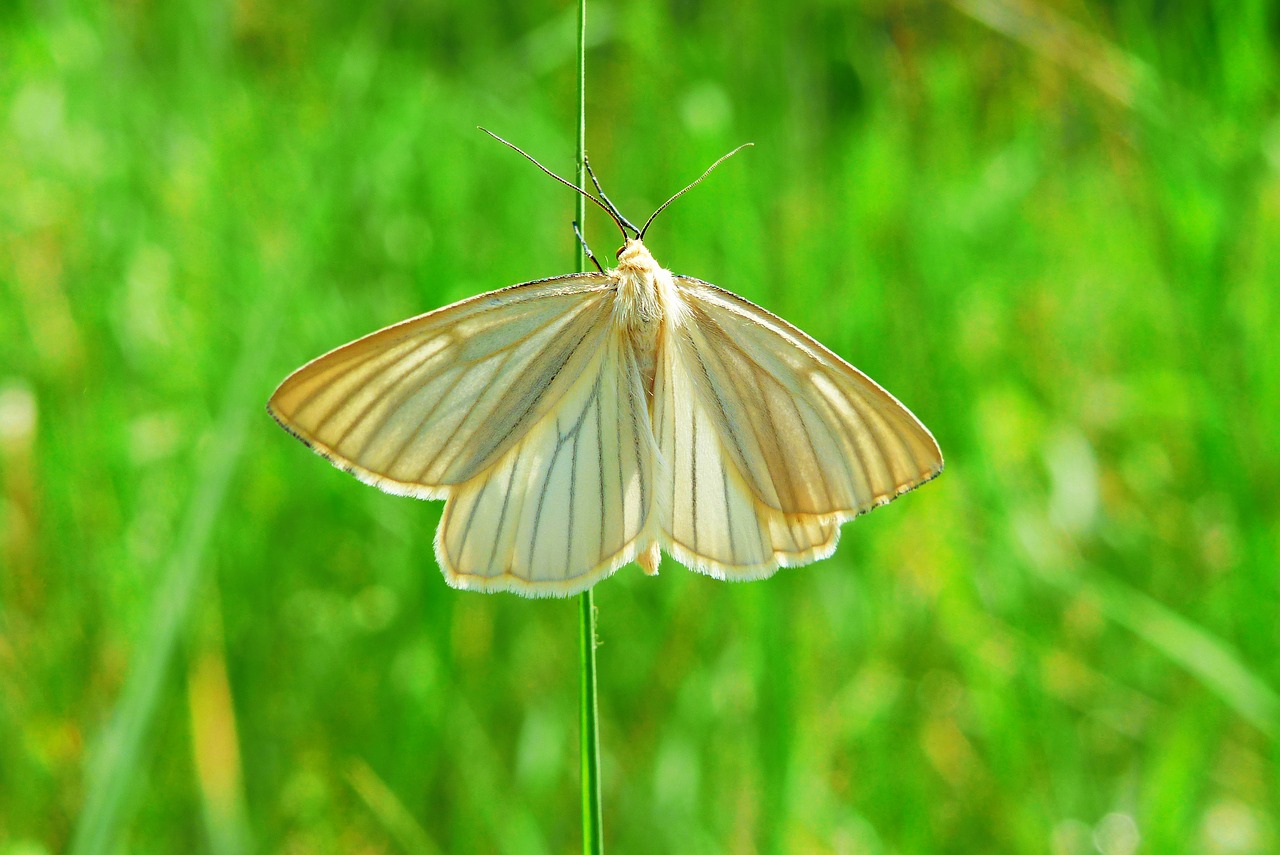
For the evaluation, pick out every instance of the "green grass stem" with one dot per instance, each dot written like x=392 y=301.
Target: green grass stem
x=589 y=723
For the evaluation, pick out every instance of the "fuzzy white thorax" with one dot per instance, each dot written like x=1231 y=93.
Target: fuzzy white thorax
x=647 y=306
x=642 y=297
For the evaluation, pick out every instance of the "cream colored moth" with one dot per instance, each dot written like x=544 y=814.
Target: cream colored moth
x=579 y=423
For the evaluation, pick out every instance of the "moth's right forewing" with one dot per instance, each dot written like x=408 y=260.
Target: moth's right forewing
x=432 y=401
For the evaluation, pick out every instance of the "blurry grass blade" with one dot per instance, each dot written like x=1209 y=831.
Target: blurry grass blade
x=1116 y=74
x=1207 y=657
x=216 y=749
x=511 y=824
x=551 y=43
x=391 y=812
x=121 y=749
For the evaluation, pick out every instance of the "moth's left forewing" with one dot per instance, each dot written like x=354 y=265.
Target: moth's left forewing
x=792 y=403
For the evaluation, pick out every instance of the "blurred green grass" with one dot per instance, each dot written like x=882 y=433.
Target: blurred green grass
x=1048 y=228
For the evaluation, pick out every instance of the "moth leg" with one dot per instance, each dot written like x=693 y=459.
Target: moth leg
x=591 y=255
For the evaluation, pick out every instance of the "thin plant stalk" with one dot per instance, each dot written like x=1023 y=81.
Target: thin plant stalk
x=588 y=719
x=589 y=726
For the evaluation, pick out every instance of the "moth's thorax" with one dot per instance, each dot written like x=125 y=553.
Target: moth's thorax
x=646 y=298
x=645 y=290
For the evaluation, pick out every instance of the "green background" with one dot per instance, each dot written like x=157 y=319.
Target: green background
x=1049 y=228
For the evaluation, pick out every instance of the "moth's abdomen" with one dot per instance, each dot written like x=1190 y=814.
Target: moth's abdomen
x=644 y=349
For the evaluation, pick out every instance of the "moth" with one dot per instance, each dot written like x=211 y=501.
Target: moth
x=576 y=424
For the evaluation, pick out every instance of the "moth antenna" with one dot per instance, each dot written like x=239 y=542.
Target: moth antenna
x=664 y=205
x=607 y=209
x=612 y=207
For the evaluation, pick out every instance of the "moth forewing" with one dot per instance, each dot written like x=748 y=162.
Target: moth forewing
x=431 y=401
x=813 y=418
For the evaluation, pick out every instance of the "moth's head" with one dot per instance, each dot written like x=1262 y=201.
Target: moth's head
x=635 y=256
x=630 y=249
